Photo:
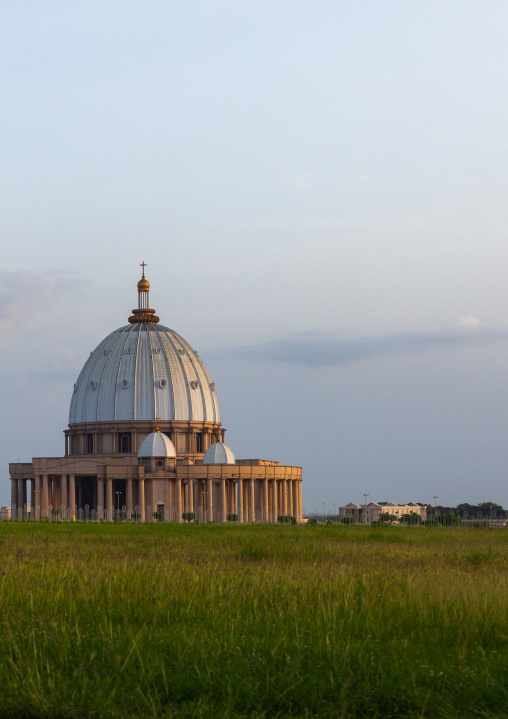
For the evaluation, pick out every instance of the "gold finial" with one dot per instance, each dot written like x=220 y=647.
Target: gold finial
x=143 y=313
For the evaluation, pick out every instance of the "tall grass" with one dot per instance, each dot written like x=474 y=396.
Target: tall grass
x=253 y=621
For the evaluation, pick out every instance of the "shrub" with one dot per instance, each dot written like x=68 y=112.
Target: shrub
x=312 y=521
x=232 y=517
x=286 y=519
x=189 y=516
x=347 y=520
x=136 y=515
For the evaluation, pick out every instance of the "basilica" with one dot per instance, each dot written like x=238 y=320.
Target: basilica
x=145 y=442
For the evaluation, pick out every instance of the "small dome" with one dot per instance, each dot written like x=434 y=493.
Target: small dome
x=219 y=453
x=157 y=444
x=143 y=284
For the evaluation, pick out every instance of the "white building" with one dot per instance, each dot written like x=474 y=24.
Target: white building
x=368 y=513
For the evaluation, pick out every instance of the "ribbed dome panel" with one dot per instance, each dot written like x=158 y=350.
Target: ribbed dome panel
x=140 y=372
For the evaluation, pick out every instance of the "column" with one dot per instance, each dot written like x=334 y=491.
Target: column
x=252 y=506
x=109 y=499
x=265 y=508
x=37 y=500
x=223 y=499
x=44 y=495
x=239 y=485
x=20 y=500
x=301 y=499
x=32 y=498
x=14 y=497
x=141 y=488
x=191 y=495
x=64 y=496
x=178 y=500
x=209 y=501
x=130 y=503
x=274 y=500
x=100 y=498
x=284 y=497
x=246 y=501
x=290 y=497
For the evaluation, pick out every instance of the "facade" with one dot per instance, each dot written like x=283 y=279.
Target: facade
x=367 y=513
x=145 y=441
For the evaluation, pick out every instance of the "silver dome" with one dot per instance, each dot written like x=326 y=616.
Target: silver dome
x=140 y=372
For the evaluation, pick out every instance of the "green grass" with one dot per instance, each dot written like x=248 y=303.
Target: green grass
x=254 y=621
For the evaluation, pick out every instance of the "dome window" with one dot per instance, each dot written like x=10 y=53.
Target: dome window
x=162 y=383
x=194 y=384
x=182 y=352
x=157 y=351
x=93 y=386
x=125 y=383
x=212 y=386
x=75 y=387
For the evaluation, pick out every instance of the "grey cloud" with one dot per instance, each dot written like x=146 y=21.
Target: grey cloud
x=24 y=292
x=327 y=349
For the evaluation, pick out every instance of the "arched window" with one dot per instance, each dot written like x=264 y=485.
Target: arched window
x=90 y=444
x=124 y=442
x=198 y=443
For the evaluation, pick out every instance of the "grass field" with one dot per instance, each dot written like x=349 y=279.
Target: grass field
x=253 y=621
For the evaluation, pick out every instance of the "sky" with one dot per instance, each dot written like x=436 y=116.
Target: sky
x=318 y=189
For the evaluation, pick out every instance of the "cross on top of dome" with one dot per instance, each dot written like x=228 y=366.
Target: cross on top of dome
x=143 y=313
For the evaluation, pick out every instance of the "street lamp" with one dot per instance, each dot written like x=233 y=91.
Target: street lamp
x=365 y=507
x=334 y=510
x=324 y=506
x=436 y=497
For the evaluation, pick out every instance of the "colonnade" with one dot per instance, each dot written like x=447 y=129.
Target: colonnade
x=252 y=500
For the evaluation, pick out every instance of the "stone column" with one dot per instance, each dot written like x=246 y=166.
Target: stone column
x=265 y=508
x=130 y=503
x=64 y=499
x=44 y=496
x=209 y=500
x=246 y=501
x=284 y=497
x=109 y=499
x=191 y=495
x=141 y=488
x=274 y=500
x=290 y=497
x=178 y=500
x=252 y=506
x=14 y=497
x=72 y=497
x=100 y=498
x=223 y=499
x=20 y=500
x=301 y=499
x=32 y=498
x=239 y=485
x=37 y=499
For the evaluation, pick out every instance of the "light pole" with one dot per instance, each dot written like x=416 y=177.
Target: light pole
x=118 y=501
x=436 y=497
x=334 y=510
x=324 y=508
x=365 y=507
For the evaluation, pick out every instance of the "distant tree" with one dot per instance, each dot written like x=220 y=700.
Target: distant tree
x=386 y=517
x=347 y=520
x=449 y=519
x=411 y=518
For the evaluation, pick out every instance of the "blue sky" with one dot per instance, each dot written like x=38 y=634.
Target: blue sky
x=319 y=190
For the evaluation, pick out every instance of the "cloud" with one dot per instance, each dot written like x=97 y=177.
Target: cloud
x=468 y=321
x=24 y=292
x=333 y=348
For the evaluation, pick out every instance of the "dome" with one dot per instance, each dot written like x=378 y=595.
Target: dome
x=218 y=453
x=157 y=444
x=143 y=285
x=144 y=371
